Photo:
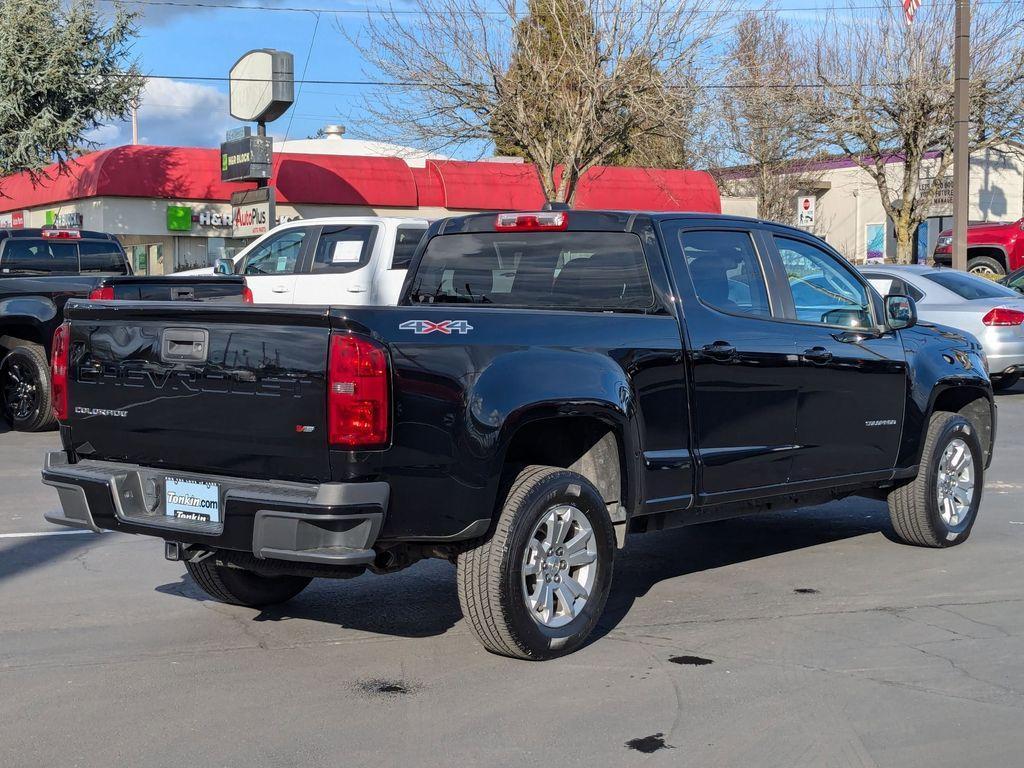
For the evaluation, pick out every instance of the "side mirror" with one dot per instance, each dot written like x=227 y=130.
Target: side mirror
x=223 y=267
x=900 y=311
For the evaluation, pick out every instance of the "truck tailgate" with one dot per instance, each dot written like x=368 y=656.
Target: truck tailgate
x=230 y=389
x=221 y=288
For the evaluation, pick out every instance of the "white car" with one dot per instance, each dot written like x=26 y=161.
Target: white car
x=358 y=260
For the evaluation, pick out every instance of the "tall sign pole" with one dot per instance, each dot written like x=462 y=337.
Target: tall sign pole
x=961 y=126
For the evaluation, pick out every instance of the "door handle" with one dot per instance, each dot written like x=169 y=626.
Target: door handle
x=280 y=289
x=720 y=350
x=817 y=355
x=356 y=289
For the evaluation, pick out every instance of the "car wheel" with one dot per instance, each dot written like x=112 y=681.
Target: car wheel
x=25 y=389
x=939 y=507
x=536 y=587
x=238 y=586
x=985 y=266
x=1005 y=381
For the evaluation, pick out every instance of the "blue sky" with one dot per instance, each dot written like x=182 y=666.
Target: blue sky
x=180 y=41
x=189 y=41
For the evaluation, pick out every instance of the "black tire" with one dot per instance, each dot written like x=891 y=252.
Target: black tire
x=1005 y=381
x=914 y=507
x=490 y=575
x=985 y=265
x=237 y=586
x=27 y=410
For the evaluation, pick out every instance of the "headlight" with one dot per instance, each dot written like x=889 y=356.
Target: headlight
x=944 y=242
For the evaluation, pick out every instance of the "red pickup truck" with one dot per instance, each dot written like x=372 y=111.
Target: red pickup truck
x=993 y=248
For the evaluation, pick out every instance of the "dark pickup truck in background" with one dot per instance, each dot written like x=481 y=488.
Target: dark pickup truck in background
x=40 y=270
x=548 y=382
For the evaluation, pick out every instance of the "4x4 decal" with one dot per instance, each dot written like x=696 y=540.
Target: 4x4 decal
x=446 y=327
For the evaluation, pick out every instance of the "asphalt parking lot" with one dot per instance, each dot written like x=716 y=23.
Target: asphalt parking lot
x=799 y=639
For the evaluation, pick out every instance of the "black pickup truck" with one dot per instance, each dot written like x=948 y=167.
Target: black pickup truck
x=548 y=382
x=40 y=269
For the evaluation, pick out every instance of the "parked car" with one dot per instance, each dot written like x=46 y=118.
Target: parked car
x=993 y=313
x=358 y=260
x=993 y=248
x=40 y=269
x=548 y=381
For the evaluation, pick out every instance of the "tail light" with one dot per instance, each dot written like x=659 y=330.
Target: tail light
x=358 y=407
x=247 y=295
x=531 y=222
x=59 y=370
x=104 y=293
x=61 y=234
x=1003 y=316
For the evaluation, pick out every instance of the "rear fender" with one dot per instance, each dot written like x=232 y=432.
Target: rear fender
x=521 y=388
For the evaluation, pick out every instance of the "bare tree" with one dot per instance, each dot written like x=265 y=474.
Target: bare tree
x=885 y=96
x=570 y=84
x=766 y=124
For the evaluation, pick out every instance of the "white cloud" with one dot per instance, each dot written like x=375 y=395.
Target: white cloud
x=176 y=113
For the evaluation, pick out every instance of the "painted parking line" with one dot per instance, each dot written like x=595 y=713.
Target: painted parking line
x=43 y=533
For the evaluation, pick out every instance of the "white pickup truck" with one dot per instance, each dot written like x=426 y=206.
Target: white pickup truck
x=358 y=260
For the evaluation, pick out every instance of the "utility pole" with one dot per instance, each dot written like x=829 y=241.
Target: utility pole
x=135 y=122
x=961 y=127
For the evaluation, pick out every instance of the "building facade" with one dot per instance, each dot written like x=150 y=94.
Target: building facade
x=171 y=211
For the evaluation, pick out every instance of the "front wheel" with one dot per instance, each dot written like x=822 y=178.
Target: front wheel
x=536 y=588
x=985 y=266
x=237 y=586
x=938 y=508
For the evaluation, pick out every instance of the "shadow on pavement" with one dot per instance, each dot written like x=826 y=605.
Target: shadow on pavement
x=422 y=601
x=30 y=553
x=652 y=558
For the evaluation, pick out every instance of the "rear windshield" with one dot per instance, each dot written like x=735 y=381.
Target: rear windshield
x=970 y=287
x=39 y=256
x=102 y=256
x=568 y=270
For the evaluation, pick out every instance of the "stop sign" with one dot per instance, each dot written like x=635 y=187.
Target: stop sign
x=807 y=204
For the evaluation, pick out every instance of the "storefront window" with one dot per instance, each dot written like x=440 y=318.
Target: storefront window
x=224 y=247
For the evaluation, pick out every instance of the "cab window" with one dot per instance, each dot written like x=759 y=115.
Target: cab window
x=343 y=249
x=726 y=271
x=823 y=291
x=405 y=245
x=279 y=255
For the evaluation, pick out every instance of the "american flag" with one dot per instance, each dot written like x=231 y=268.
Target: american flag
x=910 y=8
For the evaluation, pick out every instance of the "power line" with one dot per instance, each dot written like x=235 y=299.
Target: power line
x=370 y=10
x=412 y=84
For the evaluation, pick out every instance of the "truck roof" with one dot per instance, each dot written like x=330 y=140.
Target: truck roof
x=84 y=234
x=608 y=220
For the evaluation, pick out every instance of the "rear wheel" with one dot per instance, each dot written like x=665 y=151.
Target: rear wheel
x=938 y=508
x=237 y=586
x=985 y=266
x=1005 y=381
x=536 y=588
x=25 y=389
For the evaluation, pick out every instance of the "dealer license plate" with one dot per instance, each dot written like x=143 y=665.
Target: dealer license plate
x=192 y=500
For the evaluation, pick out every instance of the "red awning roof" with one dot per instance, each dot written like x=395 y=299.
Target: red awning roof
x=191 y=173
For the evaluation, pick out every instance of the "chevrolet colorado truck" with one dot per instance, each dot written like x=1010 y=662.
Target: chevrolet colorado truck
x=40 y=269
x=993 y=248
x=548 y=382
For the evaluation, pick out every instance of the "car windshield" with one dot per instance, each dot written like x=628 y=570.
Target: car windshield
x=970 y=287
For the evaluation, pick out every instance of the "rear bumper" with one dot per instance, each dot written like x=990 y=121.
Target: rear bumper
x=327 y=523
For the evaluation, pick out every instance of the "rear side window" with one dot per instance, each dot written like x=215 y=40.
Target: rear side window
x=405 y=246
x=886 y=284
x=558 y=270
x=39 y=256
x=102 y=256
x=343 y=249
x=970 y=287
x=726 y=272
